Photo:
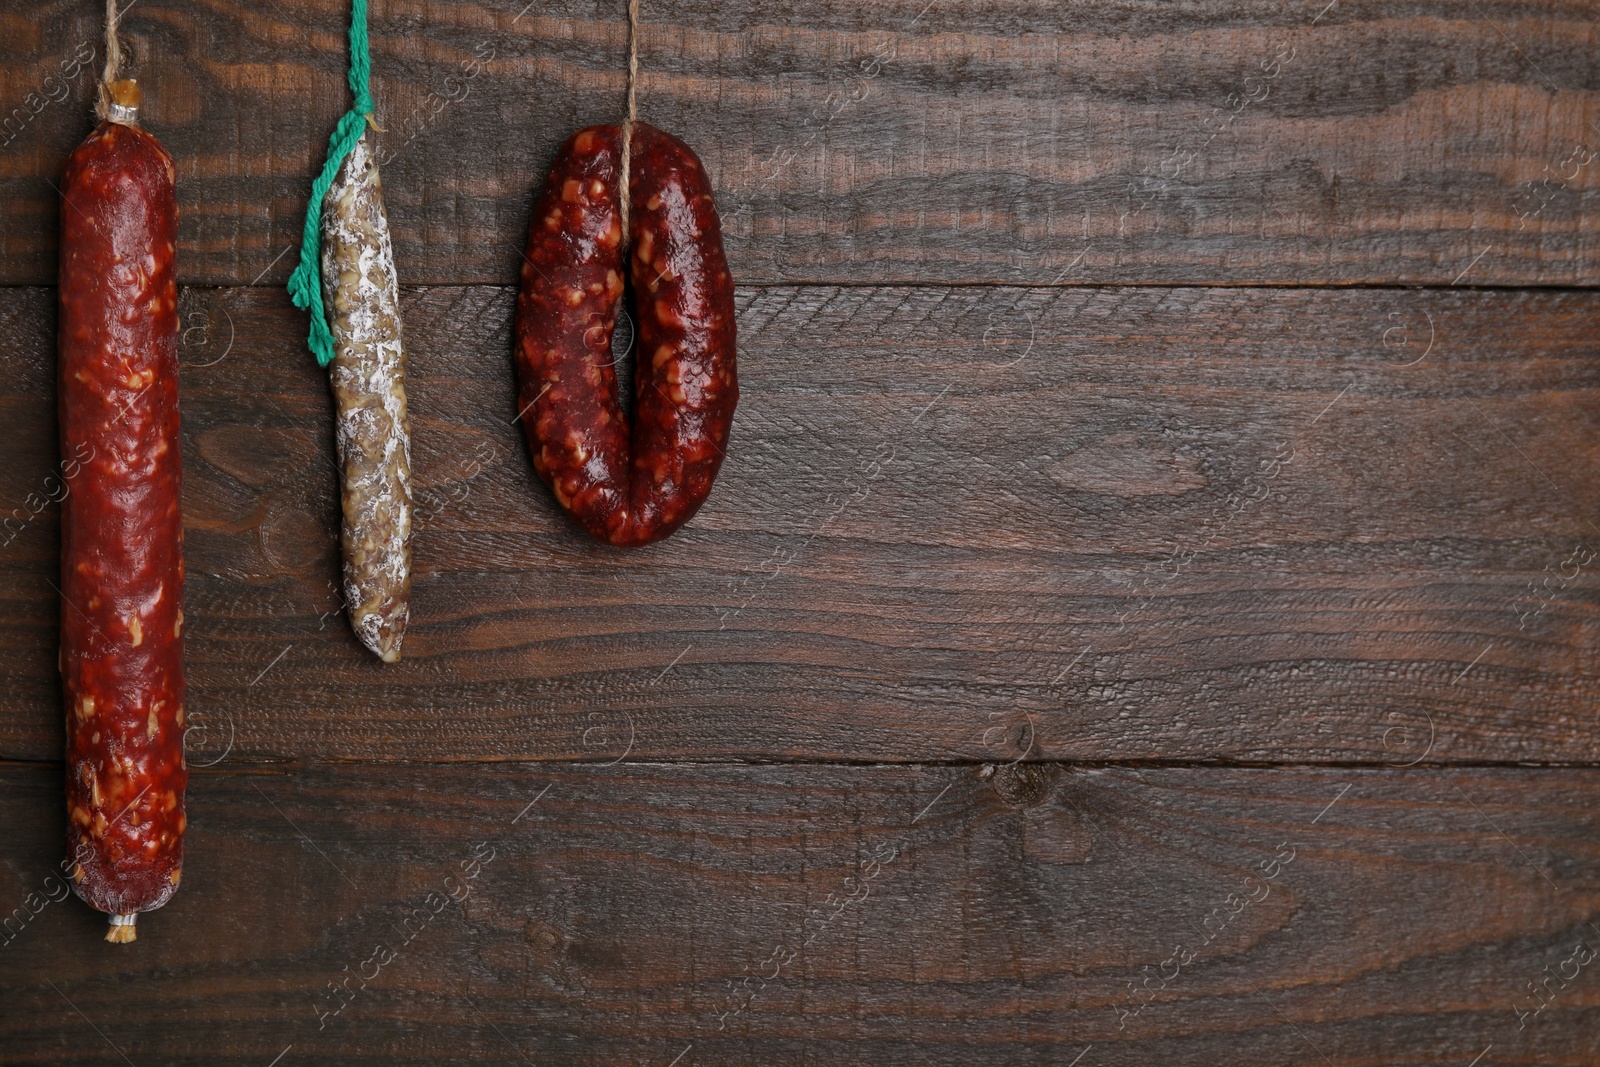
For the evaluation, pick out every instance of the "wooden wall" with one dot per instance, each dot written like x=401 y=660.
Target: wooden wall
x=1148 y=613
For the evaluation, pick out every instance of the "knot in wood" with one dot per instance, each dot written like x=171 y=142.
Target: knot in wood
x=1021 y=785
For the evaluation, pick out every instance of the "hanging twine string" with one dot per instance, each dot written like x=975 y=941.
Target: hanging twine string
x=305 y=284
x=113 y=62
x=117 y=99
x=633 y=108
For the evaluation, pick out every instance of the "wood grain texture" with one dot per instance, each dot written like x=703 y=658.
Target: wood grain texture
x=1021 y=141
x=964 y=523
x=1073 y=448
x=828 y=915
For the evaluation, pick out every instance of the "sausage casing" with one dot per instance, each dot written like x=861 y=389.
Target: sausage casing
x=626 y=485
x=373 y=430
x=122 y=524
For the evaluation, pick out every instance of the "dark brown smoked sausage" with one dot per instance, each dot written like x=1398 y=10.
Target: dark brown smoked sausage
x=626 y=485
x=121 y=521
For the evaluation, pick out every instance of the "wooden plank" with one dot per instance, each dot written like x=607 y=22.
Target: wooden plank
x=968 y=523
x=741 y=914
x=1021 y=141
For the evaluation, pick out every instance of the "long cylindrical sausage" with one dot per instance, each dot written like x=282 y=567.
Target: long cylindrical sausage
x=627 y=485
x=373 y=432
x=122 y=523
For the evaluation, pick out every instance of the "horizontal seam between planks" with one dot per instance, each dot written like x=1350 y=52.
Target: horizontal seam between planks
x=267 y=764
x=933 y=286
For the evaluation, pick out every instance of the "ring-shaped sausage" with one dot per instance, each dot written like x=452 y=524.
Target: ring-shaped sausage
x=627 y=484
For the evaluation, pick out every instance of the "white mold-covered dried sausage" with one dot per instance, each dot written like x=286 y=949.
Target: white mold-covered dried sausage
x=369 y=386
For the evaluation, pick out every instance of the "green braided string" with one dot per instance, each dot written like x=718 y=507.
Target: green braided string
x=305 y=284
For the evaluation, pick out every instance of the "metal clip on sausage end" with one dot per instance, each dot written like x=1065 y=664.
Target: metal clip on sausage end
x=124 y=98
x=122 y=931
